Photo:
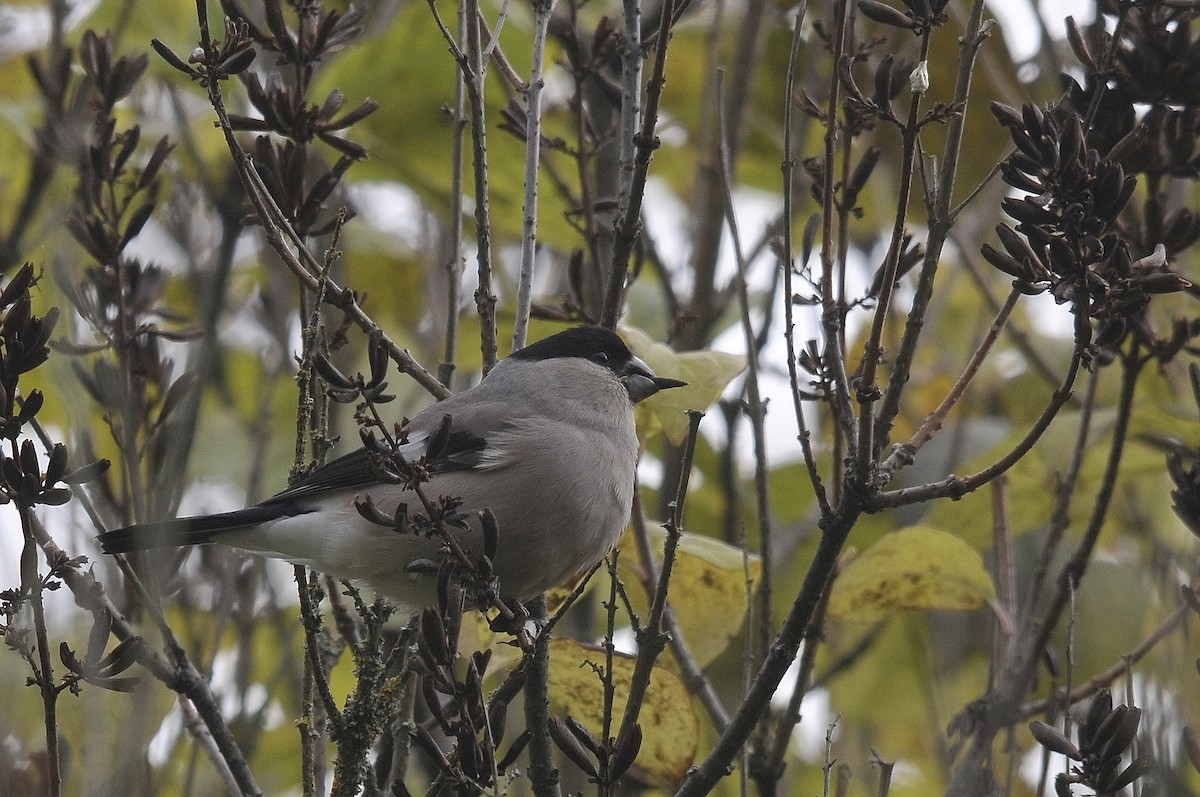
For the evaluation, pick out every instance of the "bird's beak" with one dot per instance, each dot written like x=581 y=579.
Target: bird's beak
x=641 y=383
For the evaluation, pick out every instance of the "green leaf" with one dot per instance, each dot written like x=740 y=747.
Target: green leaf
x=708 y=580
x=671 y=731
x=706 y=373
x=918 y=567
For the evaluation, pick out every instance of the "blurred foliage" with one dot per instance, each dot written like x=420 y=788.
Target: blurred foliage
x=894 y=679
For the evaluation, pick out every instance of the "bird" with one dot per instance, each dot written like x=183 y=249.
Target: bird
x=545 y=441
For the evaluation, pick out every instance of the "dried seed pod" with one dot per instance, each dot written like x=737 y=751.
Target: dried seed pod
x=1048 y=152
x=1136 y=769
x=1100 y=722
x=1070 y=144
x=886 y=15
x=1063 y=259
x=1111 y=332
x=1053 y=740
x=1007 y=115
x=1164 y=282
x=1020 y=249
x=514 y=752
x=1026 y=211
x=846 y=77
x=512 y=685
x=434 y=704
x=1122 y=732
x=1128 y=145
x=365 y=505
x=426 y=742
x=470 y=758
x=491 y=533
x=571 y=746
x=433 y=637
x=861 y=173
x=1018 y=178
x=582 y=733
x=920 y=8
x=628 y=747
x=86 y=473
x=883 y=81
x=1110 y=210
x=19 y=284
x=172 y=59
x=1079 y=44
x=497 y=713
x=1033 y=118
x=1029 y=288
x=1006 y=263
x=56 y=466
x=237 y=62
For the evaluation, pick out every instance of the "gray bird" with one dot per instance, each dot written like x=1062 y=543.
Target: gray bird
x=546 y=441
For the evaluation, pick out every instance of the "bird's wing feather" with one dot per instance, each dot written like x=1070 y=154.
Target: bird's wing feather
x=463 y=449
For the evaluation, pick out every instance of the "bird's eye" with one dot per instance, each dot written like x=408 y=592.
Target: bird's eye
x=601 y=357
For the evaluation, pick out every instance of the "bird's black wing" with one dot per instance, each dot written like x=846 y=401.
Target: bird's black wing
x=462 y=450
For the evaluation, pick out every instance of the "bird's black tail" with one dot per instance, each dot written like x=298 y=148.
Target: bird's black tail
x=187 y=531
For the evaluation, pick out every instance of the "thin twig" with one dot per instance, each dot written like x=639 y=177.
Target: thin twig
x=1062 y=698
x=456 y=46
x=199 y=731
x=905 y=452
x=179 y=675
x=867 y=391
x=690 y=670
x=835 y=527
x=833 y=358
x=958 y=486
x=475 y=69
x=652 y=638
x=310 y=422
x=1071 y=573
x=306 y=725
x=312 y=626
x=1060 y=516
x=1003 y=573
x=737 y=38
x=631 y=100
x=940 y=221
x=533 y=140
x=628 y=224
x=1013 y=680
x=774 y=753
x=610 y=611
x=1018 y=336
x=787 y=264
x=493 y=38
x=32 y=588
x=495 y=53
x=755 y=409
x=453 y=258
x=543 y=774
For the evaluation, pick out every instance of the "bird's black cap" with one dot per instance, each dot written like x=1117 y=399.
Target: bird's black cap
x=589 y=342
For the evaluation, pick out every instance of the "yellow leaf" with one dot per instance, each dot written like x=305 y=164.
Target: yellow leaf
x=706 y=373
x=670 y=730
x=918 y=567
x=708 y=580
